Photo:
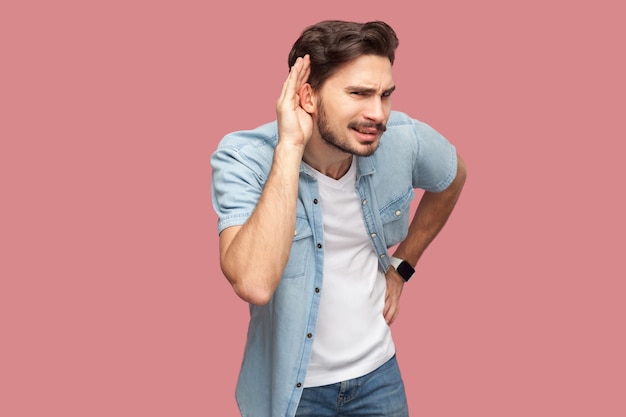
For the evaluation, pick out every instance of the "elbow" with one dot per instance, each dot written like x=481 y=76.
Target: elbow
x=253 y=284
x=252 y=288
x=461 y=172
x=254 y=296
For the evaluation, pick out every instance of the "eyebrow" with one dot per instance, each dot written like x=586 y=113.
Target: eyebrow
x=369 y=90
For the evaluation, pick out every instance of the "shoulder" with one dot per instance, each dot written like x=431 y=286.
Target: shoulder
x=401 y=135
x=252 y=148
x=406 y=131
x=261 y=136
x=398 y=118
x=402 y=124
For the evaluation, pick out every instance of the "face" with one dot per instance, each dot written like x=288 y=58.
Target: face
x=353 y=105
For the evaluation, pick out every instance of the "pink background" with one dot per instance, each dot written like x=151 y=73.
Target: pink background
x=111 y=299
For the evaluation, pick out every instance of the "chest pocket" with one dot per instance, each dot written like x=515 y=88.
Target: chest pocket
x=301 y=250
x=395 y=218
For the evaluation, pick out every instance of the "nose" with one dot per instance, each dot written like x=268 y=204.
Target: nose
x=375 y=110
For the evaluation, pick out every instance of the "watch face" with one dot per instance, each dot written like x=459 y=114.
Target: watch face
x=405 y=270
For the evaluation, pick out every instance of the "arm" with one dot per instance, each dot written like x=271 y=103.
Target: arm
x=432 y=213
x=253 y=256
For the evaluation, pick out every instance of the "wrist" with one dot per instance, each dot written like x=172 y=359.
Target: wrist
x=290 y=148
x=288 y=156
x=403 y=268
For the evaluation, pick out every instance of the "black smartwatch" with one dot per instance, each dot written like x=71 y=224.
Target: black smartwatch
x=404 y=269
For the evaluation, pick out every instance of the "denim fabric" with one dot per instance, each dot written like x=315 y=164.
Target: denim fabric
x=377 y=394
x=280 y=334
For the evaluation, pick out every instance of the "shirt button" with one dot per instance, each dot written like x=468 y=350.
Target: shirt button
x=364 y=202
x=319 y=246
x=299 y=384
x=309 y=335
x=315 y=201
x=295 y=232
x=373 y=235
x=317 y=290
x=398 y=212
x=382 y=255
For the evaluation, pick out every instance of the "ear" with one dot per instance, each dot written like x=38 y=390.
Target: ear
x=308 y=99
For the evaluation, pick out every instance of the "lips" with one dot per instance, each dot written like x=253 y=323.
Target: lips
x=368 y=131
x=369 y=128
x=368 y=135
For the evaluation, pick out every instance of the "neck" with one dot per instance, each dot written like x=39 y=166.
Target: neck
x=331 y=163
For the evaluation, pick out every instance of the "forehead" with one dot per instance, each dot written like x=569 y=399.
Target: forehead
x=370 y=71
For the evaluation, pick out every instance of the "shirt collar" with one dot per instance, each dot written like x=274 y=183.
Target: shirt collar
x=365 y=166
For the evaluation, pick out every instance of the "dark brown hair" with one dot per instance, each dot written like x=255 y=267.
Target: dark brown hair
x=332 y=43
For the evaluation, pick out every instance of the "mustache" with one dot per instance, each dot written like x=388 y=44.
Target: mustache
x=380 y=127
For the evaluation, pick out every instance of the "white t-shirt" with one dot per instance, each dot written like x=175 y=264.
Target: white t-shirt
x=352 y=337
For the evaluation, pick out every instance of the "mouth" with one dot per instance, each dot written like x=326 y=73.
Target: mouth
x=369 y=132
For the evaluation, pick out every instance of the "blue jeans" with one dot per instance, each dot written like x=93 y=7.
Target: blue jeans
x=379 y=393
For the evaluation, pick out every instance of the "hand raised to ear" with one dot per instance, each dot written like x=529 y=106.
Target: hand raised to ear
x=295 y=125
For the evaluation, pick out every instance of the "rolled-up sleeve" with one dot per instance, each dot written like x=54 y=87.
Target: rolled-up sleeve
x=240 y=166
x=436 y=163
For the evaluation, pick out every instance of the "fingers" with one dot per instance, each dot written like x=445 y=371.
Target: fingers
x=298 y=75
x=393 y=292
x=391 y=308
x=295 y=125
x=304 y=71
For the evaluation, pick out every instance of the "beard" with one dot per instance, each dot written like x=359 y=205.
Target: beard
x=332 y=139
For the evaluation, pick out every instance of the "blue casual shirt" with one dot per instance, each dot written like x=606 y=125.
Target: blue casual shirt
x=280 y=334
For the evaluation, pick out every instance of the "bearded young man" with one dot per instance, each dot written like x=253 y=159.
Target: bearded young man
x=308 y=206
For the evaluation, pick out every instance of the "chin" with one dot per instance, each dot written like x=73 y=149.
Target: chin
x=367 y=149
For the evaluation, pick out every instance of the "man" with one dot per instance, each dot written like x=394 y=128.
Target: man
x=308 y=206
